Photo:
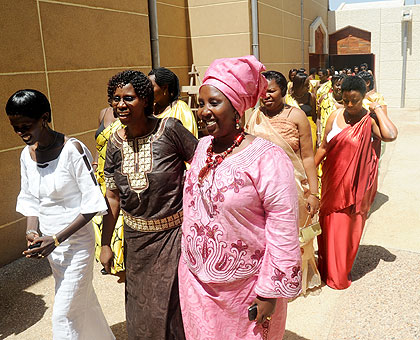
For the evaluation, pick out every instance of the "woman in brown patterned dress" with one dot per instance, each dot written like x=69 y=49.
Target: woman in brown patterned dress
x=144 y=173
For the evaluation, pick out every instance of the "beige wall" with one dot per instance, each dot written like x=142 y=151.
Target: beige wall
x=174 y=37
x=386 y=29
x=67 y=50
x=219 y=29
x=280 y=31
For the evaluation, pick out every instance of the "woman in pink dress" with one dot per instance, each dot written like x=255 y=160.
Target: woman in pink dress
x=240 y=243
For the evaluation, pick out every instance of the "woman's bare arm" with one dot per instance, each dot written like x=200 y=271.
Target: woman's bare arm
x=382 y=126
x=307 y=155
x=112 y=198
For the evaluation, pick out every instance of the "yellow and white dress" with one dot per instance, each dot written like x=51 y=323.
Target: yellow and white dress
x=117 y=241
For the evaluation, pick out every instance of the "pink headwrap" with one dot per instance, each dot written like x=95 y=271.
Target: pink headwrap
x=239 y=79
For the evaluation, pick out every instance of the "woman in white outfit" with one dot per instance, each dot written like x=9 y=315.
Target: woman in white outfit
x=59 y=195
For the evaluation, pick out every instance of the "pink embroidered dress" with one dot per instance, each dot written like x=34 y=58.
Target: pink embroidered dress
x=239 y=240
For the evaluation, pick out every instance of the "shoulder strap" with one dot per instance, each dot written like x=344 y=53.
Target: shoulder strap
x=77 y=145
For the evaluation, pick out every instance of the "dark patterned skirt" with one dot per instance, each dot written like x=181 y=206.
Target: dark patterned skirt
x=151 y=291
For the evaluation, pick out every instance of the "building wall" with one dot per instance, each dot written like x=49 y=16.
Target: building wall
x=174 y=37
x=219 y=29
x=280 y=32
x=386 y=43
x=68 y=50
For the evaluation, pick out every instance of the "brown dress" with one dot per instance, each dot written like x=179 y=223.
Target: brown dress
x=148 y=172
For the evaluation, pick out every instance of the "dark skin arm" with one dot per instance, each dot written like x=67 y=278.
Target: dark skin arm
x=47 y=245
x=112 y=198
x=313 y=105
x=382 y=127
x=307 y=156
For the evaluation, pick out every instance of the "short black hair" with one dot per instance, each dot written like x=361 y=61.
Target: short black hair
x=337 y=77
x=164 y=76
x=141 y=84
x=279 y=78
x=324 y=71
x=312 y=70
x=28 y=103
x=299 y=79
x=366 y=76
x=354 y=83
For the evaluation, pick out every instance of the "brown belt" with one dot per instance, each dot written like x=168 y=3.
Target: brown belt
x=140 y=224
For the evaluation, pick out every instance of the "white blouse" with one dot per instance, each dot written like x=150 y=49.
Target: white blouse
x=58 y=191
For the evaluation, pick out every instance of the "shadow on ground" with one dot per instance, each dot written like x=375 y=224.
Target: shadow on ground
x=19 y=309
x=380 y=199
x=288 y=335
x=368 y=258
x=120 y=331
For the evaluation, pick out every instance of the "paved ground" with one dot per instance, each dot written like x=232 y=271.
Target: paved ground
x=382 y=303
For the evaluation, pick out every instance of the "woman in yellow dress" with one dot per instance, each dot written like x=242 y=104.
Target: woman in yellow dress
x=299 y=96
x=108 y=124
x=329 y=102
x=288 y=127
x=167 y=103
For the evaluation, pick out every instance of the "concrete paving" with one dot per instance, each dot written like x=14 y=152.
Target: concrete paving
x=382 y=303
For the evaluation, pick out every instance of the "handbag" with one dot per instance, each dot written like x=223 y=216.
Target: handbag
x=309 y=232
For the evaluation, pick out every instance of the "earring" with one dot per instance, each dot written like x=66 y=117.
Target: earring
x=237 y=123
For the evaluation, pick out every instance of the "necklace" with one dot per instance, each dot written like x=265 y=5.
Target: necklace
x=45 y=148
x=212 y=163
x=350 y=120
x=275 y=115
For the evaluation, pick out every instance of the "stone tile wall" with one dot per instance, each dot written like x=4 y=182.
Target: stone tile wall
x=68 y=50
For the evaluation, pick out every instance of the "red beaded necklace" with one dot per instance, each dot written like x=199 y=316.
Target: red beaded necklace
x=212 y=163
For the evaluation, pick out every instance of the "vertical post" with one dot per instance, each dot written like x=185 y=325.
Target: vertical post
x=302 y=33
x=154 y=35
x=254 y=20
x=404 y=65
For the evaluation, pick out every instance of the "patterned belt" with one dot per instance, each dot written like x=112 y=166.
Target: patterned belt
x=140 y=224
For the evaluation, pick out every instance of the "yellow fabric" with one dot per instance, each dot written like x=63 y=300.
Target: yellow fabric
x=374 y=97
x=313 y=84
x=181 y=111
x=292 y=102
x=323 y=89
x=259 y=125
x=117 y=241
x=326 y=106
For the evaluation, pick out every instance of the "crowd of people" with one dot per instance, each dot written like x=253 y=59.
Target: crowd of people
x=211 y=236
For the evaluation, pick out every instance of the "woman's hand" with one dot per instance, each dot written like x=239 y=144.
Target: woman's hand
x=265 y=308
x=312 y=205
x=106 y=258
x=45 y=249
x=30 y=237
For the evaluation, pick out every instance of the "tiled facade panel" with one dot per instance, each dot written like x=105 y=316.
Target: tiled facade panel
x=280 y=32
x=67 y=50
x=174 y=37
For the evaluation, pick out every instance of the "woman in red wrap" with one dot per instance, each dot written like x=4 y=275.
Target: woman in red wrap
x=349 y=179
